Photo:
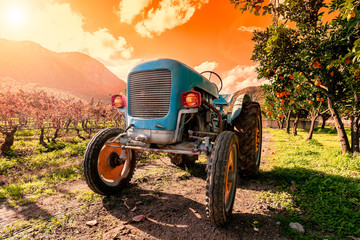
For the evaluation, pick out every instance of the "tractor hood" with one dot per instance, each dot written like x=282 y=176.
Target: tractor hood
x=154 y=91
x=183 y=76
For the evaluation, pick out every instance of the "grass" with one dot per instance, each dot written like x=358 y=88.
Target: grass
x=29 y=229
x=32 y=171
x=316 y=184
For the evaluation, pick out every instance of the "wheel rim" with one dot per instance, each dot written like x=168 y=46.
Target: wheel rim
x=110 y=168
x=230 y=184
x=258 y=137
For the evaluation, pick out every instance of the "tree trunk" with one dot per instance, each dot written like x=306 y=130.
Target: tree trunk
x=41 y=138
x=288 y=122
x=78 y=134
x=312 y=127
x=344 y=141
x=295 y=123
x=9 y=141
x=67 y=125
x=56 y=134
x=280 y=123
x=325 y=117
x=355 y=135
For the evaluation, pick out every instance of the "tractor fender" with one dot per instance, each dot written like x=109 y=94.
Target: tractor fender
x=238 y=106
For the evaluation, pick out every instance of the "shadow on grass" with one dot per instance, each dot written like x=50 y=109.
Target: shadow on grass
x=326 y=204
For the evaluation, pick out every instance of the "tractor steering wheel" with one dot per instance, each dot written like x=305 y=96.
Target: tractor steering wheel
x=211 y=73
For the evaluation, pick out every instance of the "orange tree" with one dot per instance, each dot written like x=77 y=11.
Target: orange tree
x=317 y=49
x=290 y=95
x=348 y=34
x=277 y=106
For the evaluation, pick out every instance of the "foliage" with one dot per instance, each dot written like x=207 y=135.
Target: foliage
x=304 y=40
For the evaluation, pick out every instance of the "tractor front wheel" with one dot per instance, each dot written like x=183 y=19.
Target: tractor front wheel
x=222 y=177
x=108 y=170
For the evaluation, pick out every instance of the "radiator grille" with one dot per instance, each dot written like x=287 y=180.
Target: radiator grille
x=149 y=93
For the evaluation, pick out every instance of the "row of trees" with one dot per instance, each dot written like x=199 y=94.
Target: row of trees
x=49 y=114
x=311 y=52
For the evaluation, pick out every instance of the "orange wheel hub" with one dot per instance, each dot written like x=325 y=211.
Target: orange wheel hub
x=229 y=175
x=109 y=166
x=257 y=139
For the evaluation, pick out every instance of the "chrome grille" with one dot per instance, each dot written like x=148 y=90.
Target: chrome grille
x=149 y=93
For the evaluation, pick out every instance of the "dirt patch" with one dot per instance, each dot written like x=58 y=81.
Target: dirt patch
x=173 y=201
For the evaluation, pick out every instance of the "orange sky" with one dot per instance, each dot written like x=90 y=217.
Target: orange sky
x=205 y=34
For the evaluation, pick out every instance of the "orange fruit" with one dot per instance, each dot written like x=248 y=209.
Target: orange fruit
x=316 y=64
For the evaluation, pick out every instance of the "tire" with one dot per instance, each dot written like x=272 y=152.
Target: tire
x=249 y=129
x=222 y=178
x=182 y=160
x=104 y=172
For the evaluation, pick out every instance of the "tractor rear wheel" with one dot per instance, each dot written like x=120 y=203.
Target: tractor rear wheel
x=106 y=169
x=222 y=177
x=249 y=129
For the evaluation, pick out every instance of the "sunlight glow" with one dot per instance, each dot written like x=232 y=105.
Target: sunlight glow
x=15 y=15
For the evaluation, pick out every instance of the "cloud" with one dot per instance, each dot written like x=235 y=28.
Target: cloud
x=206 y=66
x=241 y=77
x=169 y=14
x=250 y=29
x=129 y=9
x=58 y=28
x=122 y=67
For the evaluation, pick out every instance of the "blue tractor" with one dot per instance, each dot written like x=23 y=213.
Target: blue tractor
x=171 y=108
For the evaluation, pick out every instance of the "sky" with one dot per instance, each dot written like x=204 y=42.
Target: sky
x=204 y=34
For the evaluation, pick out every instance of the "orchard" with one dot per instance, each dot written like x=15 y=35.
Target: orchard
x=311 y=56
x=50 y=117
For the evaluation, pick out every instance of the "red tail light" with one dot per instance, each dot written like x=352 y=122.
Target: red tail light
x=191 y=99
x=118 y=101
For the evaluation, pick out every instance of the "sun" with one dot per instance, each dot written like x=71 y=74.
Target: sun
x=15 y=15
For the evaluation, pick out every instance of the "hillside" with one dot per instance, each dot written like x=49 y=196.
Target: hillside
x=255 y=92
x=26 y=65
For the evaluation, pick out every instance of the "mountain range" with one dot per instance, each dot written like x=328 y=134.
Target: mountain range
x=27 y=65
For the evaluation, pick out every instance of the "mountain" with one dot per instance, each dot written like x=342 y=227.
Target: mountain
x=255 y=92
x=27 y=65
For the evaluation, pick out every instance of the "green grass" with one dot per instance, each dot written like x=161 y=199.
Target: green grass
x=30 y=229
x=318 y=186
x=33 y=171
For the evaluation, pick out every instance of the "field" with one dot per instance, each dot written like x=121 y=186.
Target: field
x=43 y=194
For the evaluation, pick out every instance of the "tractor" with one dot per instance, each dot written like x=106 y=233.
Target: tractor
x=171 y=108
